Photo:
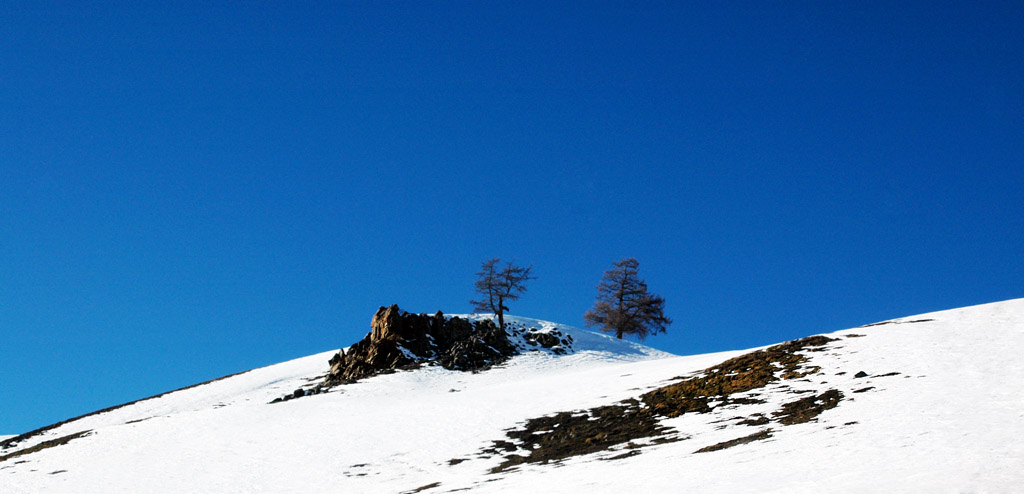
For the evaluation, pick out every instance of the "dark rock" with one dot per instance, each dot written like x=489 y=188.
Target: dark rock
x=743 y=400
x=628 y=454
x=546 y=340
x=337 y=361
x=757 y=436
x=52 y=443
x=299 y=393
x=401 y=341
x=754 y=420
x=860 y=374
x=422 y=488
x=806 y=409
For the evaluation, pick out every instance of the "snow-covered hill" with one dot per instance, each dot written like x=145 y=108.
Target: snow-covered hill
x=938 y=407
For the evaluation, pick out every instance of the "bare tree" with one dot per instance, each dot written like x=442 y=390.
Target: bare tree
x=497 y=284
x=623 y=305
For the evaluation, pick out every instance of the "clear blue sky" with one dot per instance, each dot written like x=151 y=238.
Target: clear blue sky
x=192 y=191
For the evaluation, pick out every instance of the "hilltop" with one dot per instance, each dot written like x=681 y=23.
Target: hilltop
x=924 y=403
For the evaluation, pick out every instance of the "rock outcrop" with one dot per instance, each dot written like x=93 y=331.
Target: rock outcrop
x=400 y=340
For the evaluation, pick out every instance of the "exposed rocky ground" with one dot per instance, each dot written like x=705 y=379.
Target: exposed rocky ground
x=400 y=340
x=631 y=424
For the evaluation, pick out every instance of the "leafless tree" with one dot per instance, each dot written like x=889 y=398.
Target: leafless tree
x=497 y=283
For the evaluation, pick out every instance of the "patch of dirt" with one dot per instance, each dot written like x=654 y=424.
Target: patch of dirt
x=757 y=436
x=60 y=441
x=805 y=409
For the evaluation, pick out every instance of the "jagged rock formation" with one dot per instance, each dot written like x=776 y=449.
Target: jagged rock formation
x=400 y=340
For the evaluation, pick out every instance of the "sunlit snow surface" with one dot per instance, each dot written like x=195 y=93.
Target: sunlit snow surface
x=950 y=421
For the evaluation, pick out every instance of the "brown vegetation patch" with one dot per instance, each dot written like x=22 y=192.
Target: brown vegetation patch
x=737 y=375
x=757 y=436
x=805 y=409
x=568 y=434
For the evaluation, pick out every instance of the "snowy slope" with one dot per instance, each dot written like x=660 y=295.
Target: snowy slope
x=948 y=421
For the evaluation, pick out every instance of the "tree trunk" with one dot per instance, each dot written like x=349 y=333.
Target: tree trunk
x=618 y=334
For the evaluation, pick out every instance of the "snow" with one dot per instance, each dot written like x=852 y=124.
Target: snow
x=948 y=422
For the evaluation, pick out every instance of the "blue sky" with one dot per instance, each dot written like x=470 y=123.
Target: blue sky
x=192 y=191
